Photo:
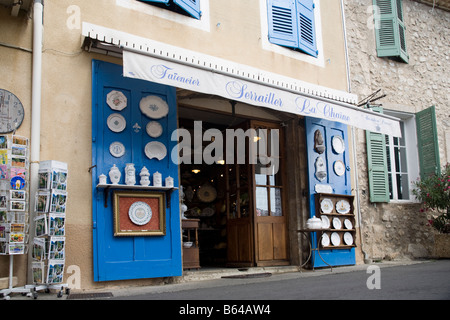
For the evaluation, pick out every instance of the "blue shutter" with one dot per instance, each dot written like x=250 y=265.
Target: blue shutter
x=190 y=6
x=282 y=18
x=157 y=1
x=306 y=27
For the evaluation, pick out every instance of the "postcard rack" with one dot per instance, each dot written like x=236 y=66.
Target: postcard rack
x=48 y=248
x=14 y=220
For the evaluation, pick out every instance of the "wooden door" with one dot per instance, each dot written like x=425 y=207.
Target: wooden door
x=270 y=232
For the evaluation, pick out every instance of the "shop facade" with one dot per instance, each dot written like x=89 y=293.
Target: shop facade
x=165 y=89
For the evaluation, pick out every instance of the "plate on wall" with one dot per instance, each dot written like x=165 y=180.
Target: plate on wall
x=348 y=224
x=117 y=149
x=154 y=129
x=343 y=206
x=116 y=100
x=337 y=223
x=348 y=238
x=140 y=213
x=338 y=144
x=116 y=122
x=155 y=149
x=325 y=222
x=335 y=239
x=325 y=240
x=154 y=107
x=339 y=168
x=326 y=205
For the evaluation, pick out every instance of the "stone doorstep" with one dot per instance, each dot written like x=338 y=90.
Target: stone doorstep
x=217 y=273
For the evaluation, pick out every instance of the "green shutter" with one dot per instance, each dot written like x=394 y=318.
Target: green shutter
x=377 y=165
x=390 y=31
x=427 y=142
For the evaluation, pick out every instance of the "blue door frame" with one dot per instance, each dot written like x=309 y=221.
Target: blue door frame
x=338 y=184
x=135 y=257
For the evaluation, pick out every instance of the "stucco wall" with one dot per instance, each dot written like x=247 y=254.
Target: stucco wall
x=399 y=230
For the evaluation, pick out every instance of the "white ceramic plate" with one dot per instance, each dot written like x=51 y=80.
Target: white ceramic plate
x=339 y=168
x=117 y=149
x=154 y=107
x=116 y=100
x=155 y=149
x=348 y=238
x=337 y=223
x=325 y=240
x=116 y=122
x=338 y=144
x=348 y=224
x=154 y=129
x=140 y=213
x=335 y=239
x=325 y=222
x=326 y=205
x=343 y=206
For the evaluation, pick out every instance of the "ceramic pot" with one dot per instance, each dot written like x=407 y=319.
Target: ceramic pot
x=114 y=175
x=145 y=177
x=130 y=174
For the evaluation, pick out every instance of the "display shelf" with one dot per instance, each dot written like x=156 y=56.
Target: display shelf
x=326 y=205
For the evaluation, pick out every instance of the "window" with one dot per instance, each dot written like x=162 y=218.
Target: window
x=394 y=163
x=190 y=7
x=390 y=29
x=291 y=24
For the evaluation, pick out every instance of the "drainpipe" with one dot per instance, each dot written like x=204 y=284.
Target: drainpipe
x=355 y=160
x=36 y=93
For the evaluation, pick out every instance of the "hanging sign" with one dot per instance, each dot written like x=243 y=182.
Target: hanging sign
x=201 y=80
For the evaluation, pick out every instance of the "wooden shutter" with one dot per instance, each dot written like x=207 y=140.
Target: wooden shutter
x=306 y=27
x=377 y=165
x=390 y=34
x=427 y=141
x=190 y=6
x=282 y=18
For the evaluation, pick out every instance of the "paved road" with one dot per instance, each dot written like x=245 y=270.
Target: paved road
x=422 y=281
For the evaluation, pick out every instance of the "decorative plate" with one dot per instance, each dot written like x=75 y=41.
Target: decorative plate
x=337 y=223
x=348 y=224
x=155 y=149
x=116 y=122
x=117 y=149
x=325 y=222
x=154 y=129
x=348 y=238
x=326 y=205
x=325 y=240
x=339 y=168
x=140 y=213
x=338 y=144
x=17 y=183
x=207 y=193
x=154 y=107
x=208 y=212
x=116 y=100
x=343 y=206
x=335 y=239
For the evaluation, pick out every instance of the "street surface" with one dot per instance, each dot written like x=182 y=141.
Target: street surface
x=419 y=281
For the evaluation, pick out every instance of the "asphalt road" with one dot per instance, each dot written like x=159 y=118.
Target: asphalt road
x=422 y=281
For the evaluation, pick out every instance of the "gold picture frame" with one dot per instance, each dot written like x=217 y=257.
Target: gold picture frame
x=139 y=213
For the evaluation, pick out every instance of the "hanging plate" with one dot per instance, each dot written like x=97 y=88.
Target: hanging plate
x=338 y=144
x=343 y=206
x=155 y=149
x=325 y=222
x=117 y=149
x=325 y=240
x=116 y=122
x=348 y=224
x=154 y=129
x=326 y=205
x=154 y=107
x=116 y=100
x=348 y=238
x=339 y=168
x=335 y=239
x=140 y=213
x=337 y=223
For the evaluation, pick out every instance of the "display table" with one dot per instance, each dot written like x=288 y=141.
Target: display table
x=191 y=257
x=307 y=233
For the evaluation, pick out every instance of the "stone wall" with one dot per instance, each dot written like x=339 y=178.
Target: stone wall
x=399 y=230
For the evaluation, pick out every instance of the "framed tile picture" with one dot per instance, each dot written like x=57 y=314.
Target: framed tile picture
x=139 y=213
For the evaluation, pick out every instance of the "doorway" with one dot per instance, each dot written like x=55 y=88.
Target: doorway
x=240 y=205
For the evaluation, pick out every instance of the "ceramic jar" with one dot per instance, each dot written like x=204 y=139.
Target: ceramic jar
x=169 y=182
x=102 y=179
x=157 y=180
x=145 y=177
x=114 y=175
x=130 y=174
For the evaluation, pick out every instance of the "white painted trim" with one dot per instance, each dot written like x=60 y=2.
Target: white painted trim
x=268 y=46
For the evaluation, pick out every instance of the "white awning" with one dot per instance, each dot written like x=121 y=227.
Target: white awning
x=161 y=63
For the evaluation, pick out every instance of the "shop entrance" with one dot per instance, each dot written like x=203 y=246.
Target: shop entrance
x=240 y=204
